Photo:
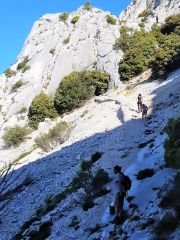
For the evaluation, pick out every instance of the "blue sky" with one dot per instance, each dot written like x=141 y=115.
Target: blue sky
x=18 y=16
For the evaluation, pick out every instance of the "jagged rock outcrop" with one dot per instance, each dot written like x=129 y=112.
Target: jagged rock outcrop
x=158 y=11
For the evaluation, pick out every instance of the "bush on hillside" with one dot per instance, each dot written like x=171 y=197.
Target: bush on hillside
x=17 y=85
x=87 y=6
x=15 y=135
x=172 y=144
x=144 y=15
x=52 y=51
x=41 y=107
x=9 y=73
x=110 y=20
x=63 y=17
x=77 y=87
x=123 y=43
x=167 y=55
x=75 y=19
x=172 y=24
x=27 y=67
x=138 y=55
x=56 y=135
x=66 y=41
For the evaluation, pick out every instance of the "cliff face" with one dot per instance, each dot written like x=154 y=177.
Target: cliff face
x=55 y=49
x=158 y=11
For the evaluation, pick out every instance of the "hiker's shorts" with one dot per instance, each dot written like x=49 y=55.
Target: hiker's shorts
x=119 y=200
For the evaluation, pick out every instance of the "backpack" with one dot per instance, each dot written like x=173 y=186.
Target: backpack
x=126 y=183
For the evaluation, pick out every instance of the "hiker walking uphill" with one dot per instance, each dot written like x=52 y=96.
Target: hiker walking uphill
x=139 y=103
x=121 y=185
x=144 y=112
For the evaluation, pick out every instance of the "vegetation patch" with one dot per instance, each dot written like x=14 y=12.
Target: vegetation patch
x=167 y=225
x=172 y=144
x=43 y=232
x=56 y=135
x=144 y=15
x=63 y=17
x=13 y=136
x=158 y=49
x=110 y=20
x=78 y=87
x=66 y=41
x=17 y=85
x=75 y=19
x=41 y=107
x=52 y=51
x=146 y=173
x=9 y=73
x=87 y=6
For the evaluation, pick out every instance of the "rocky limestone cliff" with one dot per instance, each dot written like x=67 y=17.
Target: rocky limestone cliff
x=88 y=44
x=158 y=10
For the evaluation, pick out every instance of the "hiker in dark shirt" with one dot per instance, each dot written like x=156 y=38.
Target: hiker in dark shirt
x=139 y=103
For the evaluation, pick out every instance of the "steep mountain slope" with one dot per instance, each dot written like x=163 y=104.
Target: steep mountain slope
x=111 y=126
x=155 y=11
x=64 y=193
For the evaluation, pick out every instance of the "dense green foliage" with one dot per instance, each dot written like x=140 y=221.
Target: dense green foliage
x=57 y=134
x=172 y=24
x=41 y=107
x=87 y=6
x=77 y=87
x=158 y=49
x=139 y=53
x=172 y=144
x=63 y=17
x=110 y=20
x=14 y=135
x=17 y=85
x=75 y=19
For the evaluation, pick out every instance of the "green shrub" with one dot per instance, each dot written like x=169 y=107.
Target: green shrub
x=172 y=144
x=66 y=41
x=138 y=56
x=167 y=55
x=15 y=135
x=123 y=43
x=17 y=85
x=21 y=65
x=77 y=87
x=110 y=20
x=172 y=24
x=75 y=19
x=41 y=107
x=27 y=67
x=57 y=134
x=63 y=17
x=144 y=15
x=9 y=73
x=87 y=6
x=21 y=156
x=52 y=51
x=100 y=179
